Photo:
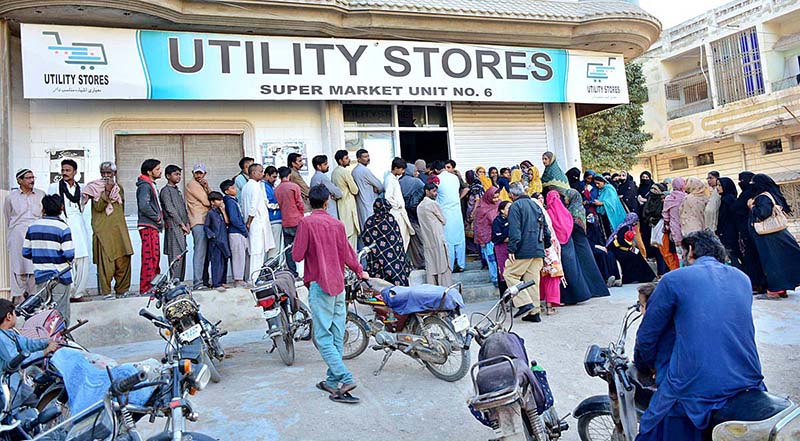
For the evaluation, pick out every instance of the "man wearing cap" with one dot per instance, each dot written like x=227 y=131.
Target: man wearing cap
x=22 y=207
x=198 y=205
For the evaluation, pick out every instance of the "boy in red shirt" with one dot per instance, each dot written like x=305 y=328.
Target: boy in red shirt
x=290 y=200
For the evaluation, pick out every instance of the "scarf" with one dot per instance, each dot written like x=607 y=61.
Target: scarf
x=676 y=197
x=560 y=216
x=483 y=178
x=630 y=219
x=575 y=207
x=388 y=261
x=63 y=191
x=531 y=178
x=612 y=207
x=574 y=176
x=645 y=184
x=553 y=176
x=484 y=216
x=93 y=190
x=696 y=187
x=764 y=184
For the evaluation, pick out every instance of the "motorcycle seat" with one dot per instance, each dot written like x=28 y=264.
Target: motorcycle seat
x=750 y=405
x=496 y=377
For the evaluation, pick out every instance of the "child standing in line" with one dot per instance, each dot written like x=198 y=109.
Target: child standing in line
x=219 y=249
x=237 y=233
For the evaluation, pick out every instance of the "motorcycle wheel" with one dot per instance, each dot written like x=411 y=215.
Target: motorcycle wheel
x=307 y=313
x=356 y=337
x=212 y=368
x=597 y=426
x=55 y=394
x=457 y=363
x=285 y=342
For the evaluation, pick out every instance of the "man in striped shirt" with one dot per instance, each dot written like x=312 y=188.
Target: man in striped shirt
x=48 y=243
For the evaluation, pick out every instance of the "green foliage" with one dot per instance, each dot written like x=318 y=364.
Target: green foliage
x=611 y=139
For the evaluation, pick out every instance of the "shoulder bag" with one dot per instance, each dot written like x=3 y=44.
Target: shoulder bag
x=773 y=224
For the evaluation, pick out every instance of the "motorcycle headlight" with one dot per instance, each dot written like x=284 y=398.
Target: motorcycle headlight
x=201 y=377
x=178 y=309
x=594 y=360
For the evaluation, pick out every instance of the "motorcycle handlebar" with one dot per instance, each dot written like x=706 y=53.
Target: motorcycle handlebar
x=512 y=291
x=626 y=383
x=126 y=384
x=158 y=321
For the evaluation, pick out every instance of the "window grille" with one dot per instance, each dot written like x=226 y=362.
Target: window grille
x=737 y=62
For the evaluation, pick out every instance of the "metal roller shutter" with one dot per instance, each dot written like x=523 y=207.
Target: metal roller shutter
x=498 y=135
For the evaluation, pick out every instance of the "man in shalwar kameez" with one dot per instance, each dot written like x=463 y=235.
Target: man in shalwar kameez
x=394 y=196
x=256 y=213
x=431 y=231
x=342 y=177
x=22 y=207
x=450 y=200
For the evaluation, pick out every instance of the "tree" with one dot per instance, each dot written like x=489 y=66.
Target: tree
x=611 y=139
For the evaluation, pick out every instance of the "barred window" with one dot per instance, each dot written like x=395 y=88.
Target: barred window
x=705 y=159
x=737 y=62
x=679 y=164
x=791 y=192
x=772 y=146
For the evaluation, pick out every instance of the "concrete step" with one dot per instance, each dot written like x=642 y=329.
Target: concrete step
x=476 y=284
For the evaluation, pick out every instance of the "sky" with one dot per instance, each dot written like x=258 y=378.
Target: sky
x=673 y=12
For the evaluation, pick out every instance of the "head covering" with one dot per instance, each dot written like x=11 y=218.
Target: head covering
x=645 y=184
x=483 y=178
x=675 y=198
x=612 y=207
x=696 y=187
x=484 y=216
x=574 y=177
x=630 y=219
x=380 y=208
x=531 y=178
x=388 y=260
x=516 y=175
x=553 y=176
x=744 y=180
x=22 y=172
x=575 y=207
x=764 y=184
x=678 y=184
x=199 y=167
x=469 y=176
x=729 y=192
x=628 y=190
x=420 y=165
x=561 y=217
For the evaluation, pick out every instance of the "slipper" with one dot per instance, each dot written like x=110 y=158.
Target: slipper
x=347 y=388
x=325 y=388
x=344 y=398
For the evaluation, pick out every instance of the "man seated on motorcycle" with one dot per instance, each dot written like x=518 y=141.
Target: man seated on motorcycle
x=708 y=306
x=12 y=343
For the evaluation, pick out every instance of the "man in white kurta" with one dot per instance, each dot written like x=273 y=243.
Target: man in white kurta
x=69 y=191
x=256 y=213
x=394 y=196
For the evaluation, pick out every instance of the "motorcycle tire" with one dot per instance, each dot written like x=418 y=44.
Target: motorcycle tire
x=356 y=336
x=212 y=368
x=595 y=426
x=307 y=313
x=459 y=356
x=55 y=394
x=285 y=342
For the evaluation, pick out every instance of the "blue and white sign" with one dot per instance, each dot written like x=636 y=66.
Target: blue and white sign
x=102 y=63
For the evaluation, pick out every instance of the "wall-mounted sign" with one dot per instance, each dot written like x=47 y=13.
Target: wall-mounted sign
x=277 y=153
x=104 y=63
x=56 y=156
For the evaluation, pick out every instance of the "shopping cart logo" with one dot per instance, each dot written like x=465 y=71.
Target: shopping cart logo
x=599 y=71
x=81 y=54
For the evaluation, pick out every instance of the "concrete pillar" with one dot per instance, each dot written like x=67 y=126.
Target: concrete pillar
x=562 y=134
x=332 y=128
x=712 y=73
x=5 y=146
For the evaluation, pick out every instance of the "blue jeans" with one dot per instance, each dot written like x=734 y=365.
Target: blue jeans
x=329 y=314
x=488 y=253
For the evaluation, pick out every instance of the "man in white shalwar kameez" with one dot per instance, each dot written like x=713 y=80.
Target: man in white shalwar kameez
x=256 y=213
x=69 y=191
x=394 y=196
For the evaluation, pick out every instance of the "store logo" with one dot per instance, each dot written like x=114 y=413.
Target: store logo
x=599 y=71
x=81 y=54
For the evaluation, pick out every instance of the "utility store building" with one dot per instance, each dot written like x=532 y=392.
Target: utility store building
x=485 y=82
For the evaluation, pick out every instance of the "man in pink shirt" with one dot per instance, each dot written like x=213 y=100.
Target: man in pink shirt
x=322 y=242
x=290 y=200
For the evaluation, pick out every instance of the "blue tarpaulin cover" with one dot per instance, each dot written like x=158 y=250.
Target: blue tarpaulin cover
x=407 y=300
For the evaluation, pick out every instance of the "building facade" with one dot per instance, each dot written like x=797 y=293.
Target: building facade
x=724 y=95
x=118 y=105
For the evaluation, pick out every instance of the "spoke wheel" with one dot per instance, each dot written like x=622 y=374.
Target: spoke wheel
x=597 y=426
x=454 y=368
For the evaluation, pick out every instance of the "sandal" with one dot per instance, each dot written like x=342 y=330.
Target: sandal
x=550 y=311
x=325 y=388
x=346 y=398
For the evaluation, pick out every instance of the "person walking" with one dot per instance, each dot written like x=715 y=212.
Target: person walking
x=778 y=250
x=322 y=244
x=111 y=243
x=256 y=213
x=714 y=201
x=369 y=187
x=693 y=208
x=176 y=220
x=485 y=214
x=69 y=190
x=22 y=207
x=290 y=199
x=197 y=202
x=528 y=237
x=237 y=233
x=219 y=250
x=241 y=179
x=270 y=178
x=388 y=259
x=342 y=177
x=48 y=245
x=397 y=203
x=150 y=221
x=431 y=232
x=320 y=164
x=449 y=198
x=295 y=162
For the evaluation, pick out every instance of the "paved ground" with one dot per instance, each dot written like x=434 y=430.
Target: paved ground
x=261 y=399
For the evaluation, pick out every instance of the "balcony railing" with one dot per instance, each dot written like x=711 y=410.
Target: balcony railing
x=785 y=83
x=690 y=109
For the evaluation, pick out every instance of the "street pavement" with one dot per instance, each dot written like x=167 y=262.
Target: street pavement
x=260 y=398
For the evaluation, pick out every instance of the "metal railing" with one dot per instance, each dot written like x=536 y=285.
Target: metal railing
x=690 y=109
x=786 y=83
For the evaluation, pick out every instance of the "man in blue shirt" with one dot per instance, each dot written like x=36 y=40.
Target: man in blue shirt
x=270 y=177
x=237 y=233
x=700 y=318
x=48 y=244
x=242 y=177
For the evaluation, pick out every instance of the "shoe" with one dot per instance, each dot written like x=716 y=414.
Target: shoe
x=610 y=281
x=535 y=318
x=458 y=269
x=618 y=283
x=523 y=310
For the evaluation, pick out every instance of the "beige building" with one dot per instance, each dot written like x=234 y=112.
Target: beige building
x=723 y=95
x=45 y=115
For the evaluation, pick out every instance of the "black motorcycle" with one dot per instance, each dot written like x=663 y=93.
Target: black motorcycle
x=19 y=417
x=182 y=311
x=511 y=396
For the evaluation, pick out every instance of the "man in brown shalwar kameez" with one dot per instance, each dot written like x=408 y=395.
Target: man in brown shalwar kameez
x=22 y=207
x=111 y=244
x=431 y=230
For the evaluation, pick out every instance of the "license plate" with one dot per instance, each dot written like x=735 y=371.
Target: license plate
x=461 y=323
x=191 y=334
x=271 y=313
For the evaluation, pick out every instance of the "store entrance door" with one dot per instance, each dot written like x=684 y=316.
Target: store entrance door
x=430 y=146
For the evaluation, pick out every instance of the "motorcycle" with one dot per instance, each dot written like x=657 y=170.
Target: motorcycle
x=750 y=415
x=183 y=312
x=430 y=329
x=288 y=318
x=510 y=397
x=19 y=417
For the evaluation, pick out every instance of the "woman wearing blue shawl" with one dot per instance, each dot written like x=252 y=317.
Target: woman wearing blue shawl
x=608 y=202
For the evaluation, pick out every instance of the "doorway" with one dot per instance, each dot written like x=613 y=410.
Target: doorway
x=430 y=146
